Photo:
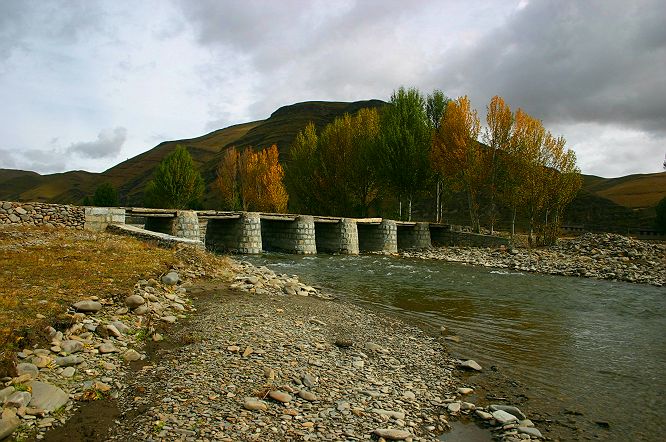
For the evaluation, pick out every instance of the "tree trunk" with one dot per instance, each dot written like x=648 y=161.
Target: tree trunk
x=409 y=216
x=400 y=209
x=437 y=220
x=513 y=222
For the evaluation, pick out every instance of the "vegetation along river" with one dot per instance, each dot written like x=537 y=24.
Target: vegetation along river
x=589 y=353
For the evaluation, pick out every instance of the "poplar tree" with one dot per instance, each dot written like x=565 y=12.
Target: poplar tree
x=404 y=147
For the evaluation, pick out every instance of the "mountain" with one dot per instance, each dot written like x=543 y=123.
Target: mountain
x=624 y=201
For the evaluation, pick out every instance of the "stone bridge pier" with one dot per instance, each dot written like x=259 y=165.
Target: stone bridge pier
x=378 y=236
x=237 y=233
x=336 y=236
x=414 y=236
x=181 y=223
x=294 y=235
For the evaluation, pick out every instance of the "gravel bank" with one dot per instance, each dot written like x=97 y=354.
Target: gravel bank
x=603 y=256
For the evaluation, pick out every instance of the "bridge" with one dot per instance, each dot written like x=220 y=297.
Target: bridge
x=254 y=232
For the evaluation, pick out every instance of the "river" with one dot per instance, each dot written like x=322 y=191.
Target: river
x=589 y=352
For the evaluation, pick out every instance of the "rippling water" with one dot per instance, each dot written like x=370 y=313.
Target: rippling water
x=598 y=347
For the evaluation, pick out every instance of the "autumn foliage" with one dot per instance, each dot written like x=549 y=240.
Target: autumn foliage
x=252 y=180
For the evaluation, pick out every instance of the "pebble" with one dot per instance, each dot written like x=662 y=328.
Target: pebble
x=87 y=306
x=280 y=396
x=392 y=434
x=470 y=364
x=255 y=404
x=134 y=301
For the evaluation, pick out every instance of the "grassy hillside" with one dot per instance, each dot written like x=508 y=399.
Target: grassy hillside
x=622 y=201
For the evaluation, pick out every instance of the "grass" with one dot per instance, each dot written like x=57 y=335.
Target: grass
x=45 y=270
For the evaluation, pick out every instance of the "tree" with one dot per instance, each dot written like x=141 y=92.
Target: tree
x=497 y=136
x=176 y=184
x=252 y=180
x=333 y=172
x=301 y=170
x=402 y=153
x=661 y=215
x=435 y=107
x=457 y=153
x=227 y=180
x=105 y=196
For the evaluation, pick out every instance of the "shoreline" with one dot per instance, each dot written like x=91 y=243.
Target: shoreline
x=344 y=371
x=599 y=256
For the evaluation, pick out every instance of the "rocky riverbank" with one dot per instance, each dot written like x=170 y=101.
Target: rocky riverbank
x=260 y=357
x=603 y=256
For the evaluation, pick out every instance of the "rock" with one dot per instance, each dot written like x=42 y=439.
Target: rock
x=343 y=342
x=530 y=430
x=484 y=415
x=68 y=372
x=107 y=348
x=467 y=406
x=470 y=364
x=452 y=338
x=170 y=278
x=134 y=301
x=255 y=404
x=392 y=434
x=71 y=346
x=131 y=355
x=465 y=390
x=169 y=319
x=409 y=395
x=8 y=423
x=509 y=409
x=280 y=396
x=453 y=407
x=87 y=306
x=371 y=346
x=141 y=310
x=46 y=396
x=27 y=368
x=41 y=361
x=157 y=337
x=67 y=361
x=358 y=363
x=306 y=395
x=391 y=414
x=503 y=417
x=5 y=393
x=248 y=351
x=18 y=399
x=112 y=330
x=308 y=380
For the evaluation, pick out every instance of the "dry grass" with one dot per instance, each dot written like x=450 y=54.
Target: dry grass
x=44 y=270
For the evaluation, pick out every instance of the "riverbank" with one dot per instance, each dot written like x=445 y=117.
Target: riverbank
x=237 y=353
x=602 y=256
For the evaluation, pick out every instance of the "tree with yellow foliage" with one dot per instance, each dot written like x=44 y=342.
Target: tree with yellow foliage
x=252 y=181
x=456 y=153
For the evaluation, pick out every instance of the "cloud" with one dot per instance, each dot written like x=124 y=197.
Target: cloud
x=108 y=144
x=566 y=61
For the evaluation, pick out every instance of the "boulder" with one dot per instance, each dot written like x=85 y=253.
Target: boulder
x=8 y=423
x=87 y=306
x=134 y=301
x=46 y=396
x=170 y=278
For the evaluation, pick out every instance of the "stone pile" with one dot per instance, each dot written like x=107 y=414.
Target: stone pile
x=41 y=214
x=603 y=256
x=89 y=359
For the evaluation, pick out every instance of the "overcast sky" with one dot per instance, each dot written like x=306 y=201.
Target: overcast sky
x=86 y=84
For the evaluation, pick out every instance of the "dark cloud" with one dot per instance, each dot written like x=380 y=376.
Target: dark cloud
x=108 y=144
x=570 y=61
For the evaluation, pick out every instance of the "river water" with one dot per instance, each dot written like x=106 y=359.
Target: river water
x=592 y=350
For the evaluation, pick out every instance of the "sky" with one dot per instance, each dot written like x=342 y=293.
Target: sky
x=88 y=84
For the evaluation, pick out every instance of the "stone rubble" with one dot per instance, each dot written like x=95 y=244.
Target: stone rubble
x=602 y=256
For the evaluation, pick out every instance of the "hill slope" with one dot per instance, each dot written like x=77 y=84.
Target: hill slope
x=627 y=200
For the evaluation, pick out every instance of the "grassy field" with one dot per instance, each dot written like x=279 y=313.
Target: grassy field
x=44 y=270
